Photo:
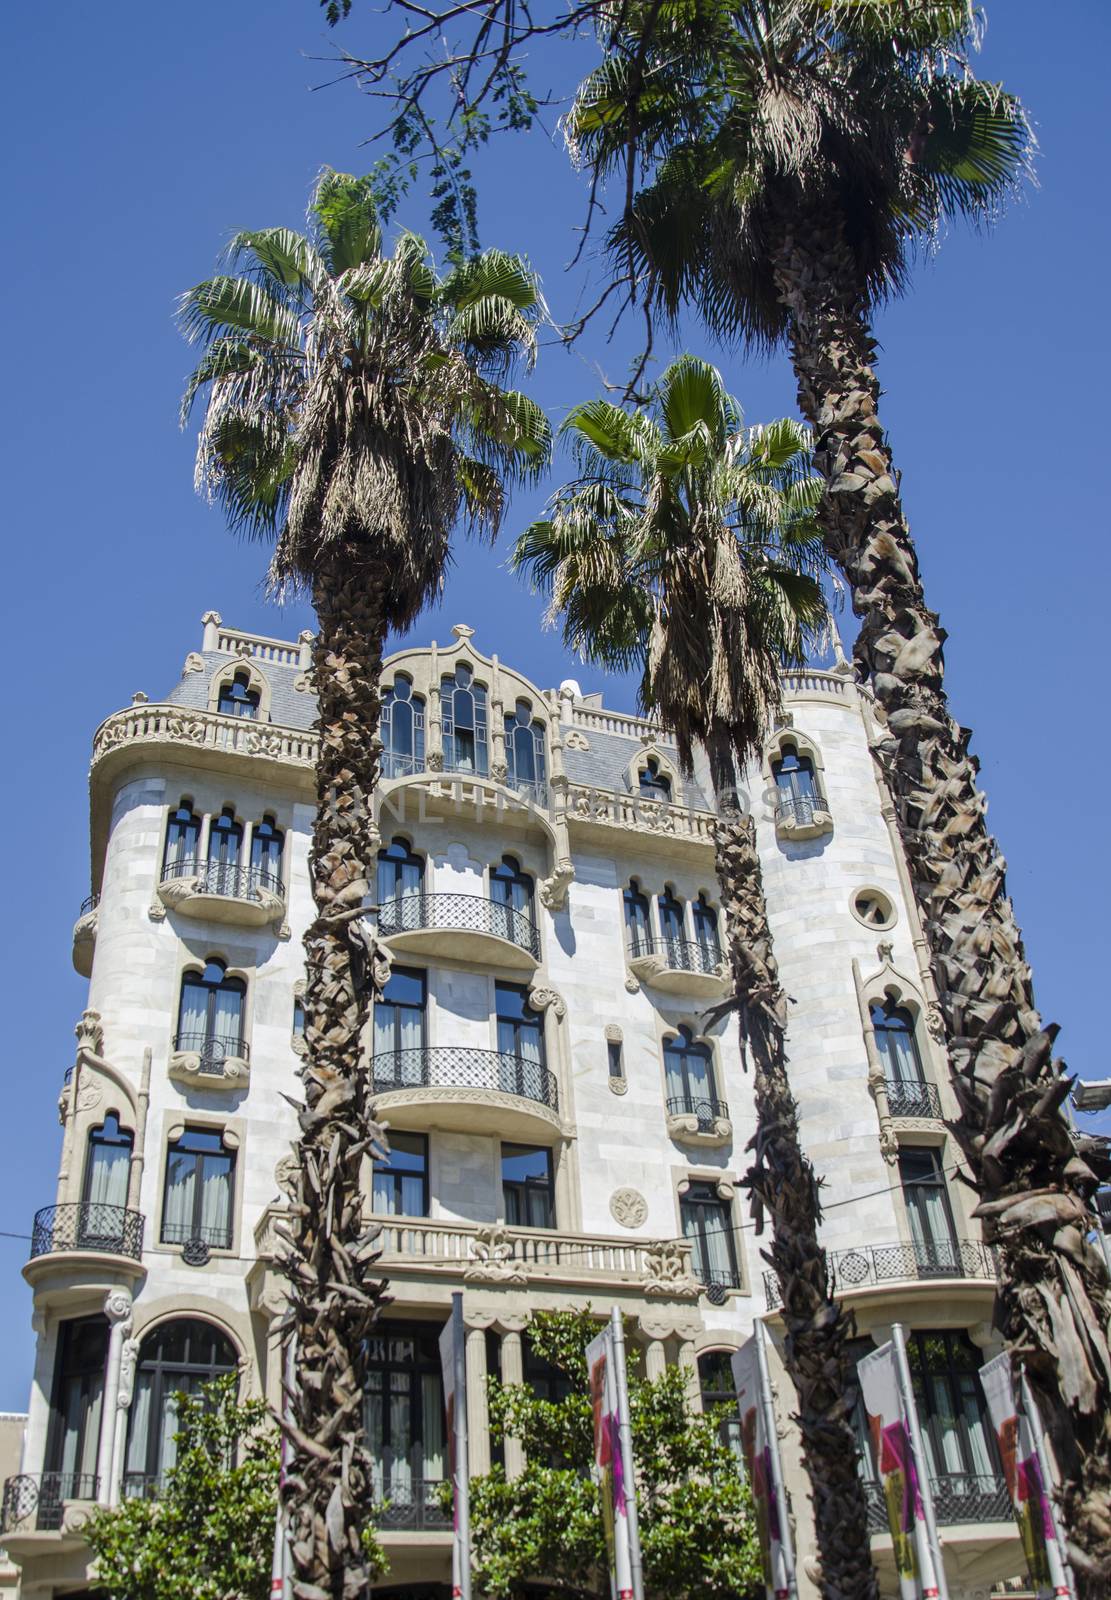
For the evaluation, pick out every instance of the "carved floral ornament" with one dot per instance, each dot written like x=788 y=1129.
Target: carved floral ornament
x=577 y=740
x=629 y=1208
x=545 y=999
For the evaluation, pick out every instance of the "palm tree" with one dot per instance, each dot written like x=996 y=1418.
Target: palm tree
x=354 y=412
x=686 y=548
x=794 y=155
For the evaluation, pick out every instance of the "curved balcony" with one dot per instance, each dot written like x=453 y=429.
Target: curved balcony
x=84 y=935
x=875 y=1266
x=486 y=1089
x=219 y=892
x=802 y=816
x=693 y=1120
x=34 y=1502
x=211 y=1061
x=83 y=1246
x=679 y=966
x=471 y=927
x=919 y=1100
x=958 y=1497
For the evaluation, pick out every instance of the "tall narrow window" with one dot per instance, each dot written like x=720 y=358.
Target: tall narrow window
x=179 y=1357
x=526 y=1186
x=401 y=1181
x=183 y=832
x=400 y=877
x=71 y=1446
x=652 y=783
x=717 y=1387
x=521 y=1056
x=400 y=1058
x=402 y=729
x=706 y=936
x=936 y=1251
x=794 y=774
x=404 y=1420
x=200 y=1181
x=707 y=1222
x=210 y=1015
x=895 y=1041
x=615 y=1058
x=511 y=902
x=266 y=854
x=524 y=751
x=298 y=1029
x=690 y=1076
x=463 y=715
x=225 y=846
x=673 y=929
x=638 y=920
x=107 y=1164
x=944 y=1369
x=237 y=698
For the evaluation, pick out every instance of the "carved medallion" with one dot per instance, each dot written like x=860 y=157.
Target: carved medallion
x=576 y=740
x=629 y=1208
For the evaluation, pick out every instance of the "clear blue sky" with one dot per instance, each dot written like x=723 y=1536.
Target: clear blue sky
x=139 y=137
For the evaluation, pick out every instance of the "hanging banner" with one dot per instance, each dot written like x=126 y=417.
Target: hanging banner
x=887 y=1424
x=761 y=1465
x=1033 y=1506
x=453 y=1364
x=609 y=1473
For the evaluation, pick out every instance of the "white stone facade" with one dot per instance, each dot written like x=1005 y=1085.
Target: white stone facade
x=846 y=936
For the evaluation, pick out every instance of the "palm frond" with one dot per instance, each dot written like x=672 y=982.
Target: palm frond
x=228 y=304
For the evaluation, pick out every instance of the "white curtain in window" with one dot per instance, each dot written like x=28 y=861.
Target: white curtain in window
x=108 y=1174
x=946 y=1427
x=432 y=1409
x=902 y=1059
x=216 y=1200
x=373 y=1425
x=979 y=1448
x=229 y=1013
x=139 y=1431
x=929 y=1226
x=177 y=1214
x=194 y=1009
x=81 y=1408
x=399 y=1465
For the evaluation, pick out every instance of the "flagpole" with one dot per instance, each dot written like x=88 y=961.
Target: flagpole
x=625 y=1430
x=938 y=1586
x=281 y=1566
x=767 y=1405
x=462 y=1460
x=1064 y=1584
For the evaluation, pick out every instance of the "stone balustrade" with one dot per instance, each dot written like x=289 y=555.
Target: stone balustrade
x=614 y=809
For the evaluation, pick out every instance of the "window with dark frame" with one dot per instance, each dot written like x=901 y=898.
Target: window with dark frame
x=707 y=1221
x=75 y=1414
x=178 y=1357
x=400 y=873
x=528 y=1192
x=402 y=729
x=267 y=844
x=689 y=1068
x=893 y=1026
x=404 y=1420
x=199 y=1189
x=717 y=1388
x=400 y=1183
x=183 y=832
x=615 y=1058
x=298 y=1018
x=524 y=750
x=936 y=1251
x=638 y=919
x=511 y=901
x=463 y=721
x=522 y=1062
x=400 y=1021
x=794 y=774
x=705 y=919
x=210 y=1013
x=237 y=698
x=107 y=1165
x=652 y=783
x=944 y=1368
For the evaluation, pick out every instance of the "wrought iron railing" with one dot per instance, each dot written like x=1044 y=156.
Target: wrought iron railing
x=800 y=808
x=183 y=1233
x=909 y=1099
x=680 y=955
x=142 y=1485
x=466 y=913
x=90 y=903
x=418 y=1504
x=958 y=1497
x=213 y=1049
x=34 y=1500
x=891 y=1263
x=716 y=1281
x=87 y=1225
x=460 y=1067
x=232 y=880
x=707 y=1110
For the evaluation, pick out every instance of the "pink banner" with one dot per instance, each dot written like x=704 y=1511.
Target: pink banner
x=608 y=1468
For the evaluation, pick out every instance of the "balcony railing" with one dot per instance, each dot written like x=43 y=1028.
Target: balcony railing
x=90 y=903
x=87 y=1225
x=679 y=955
x=800 y=809
x=906 y=1099
x=213 y=1049
x=465 y=913
x=415 y=1505
x=706 y=1110
x=893 y=1263
x=715 y=1281
x=958 y=1497
x=34 y=1500
x=185 y=1233
x=460 y=1067
x=232 y=881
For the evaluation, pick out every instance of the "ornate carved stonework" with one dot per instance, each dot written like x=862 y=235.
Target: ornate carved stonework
x=577 y=740
x=553 y=890
x=194 y=662
x=285 y=1175
x=302 y=683
x=129 y=1356
x=632 y=984
x=689 y=1129
x=117 y=1306
x=491 y=1257
x=613 y=1033
x=618 y=1085
x=668 y=1271
x=88 y=1095
x=629 y=1208
x=90 y=1034
x=460 y=1097
x=544 y=999
x=187 y=1066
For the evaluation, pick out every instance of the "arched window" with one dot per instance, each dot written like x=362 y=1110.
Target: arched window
x=107 y=1164
x=898 y=1049
x=400 y=874
x=463 y=716
x=690 y=1075
x=511 y=901
x=706 y=930
x=210 y=1016
x=177 y=1358
x=524 y=750
x=183 y=831
x=225 y=846
x=402 y=728
x=652 y=783
x=237 y=698
x=638 y=920
x=794 y=774
x=200 y=1182
x=672 y=927
x=718 y=1388
x=404 y=1420
x=266 y=854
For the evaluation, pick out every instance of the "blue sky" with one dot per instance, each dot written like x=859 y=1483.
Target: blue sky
x=138 y=138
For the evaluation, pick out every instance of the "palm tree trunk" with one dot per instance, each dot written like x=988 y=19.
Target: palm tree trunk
x=783 y=1185
x=334 y=1301
x=1034 y=1179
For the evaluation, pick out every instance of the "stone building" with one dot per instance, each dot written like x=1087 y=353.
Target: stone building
x=565 y=1129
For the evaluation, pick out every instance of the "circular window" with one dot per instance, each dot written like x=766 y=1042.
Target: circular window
x=873 y=908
